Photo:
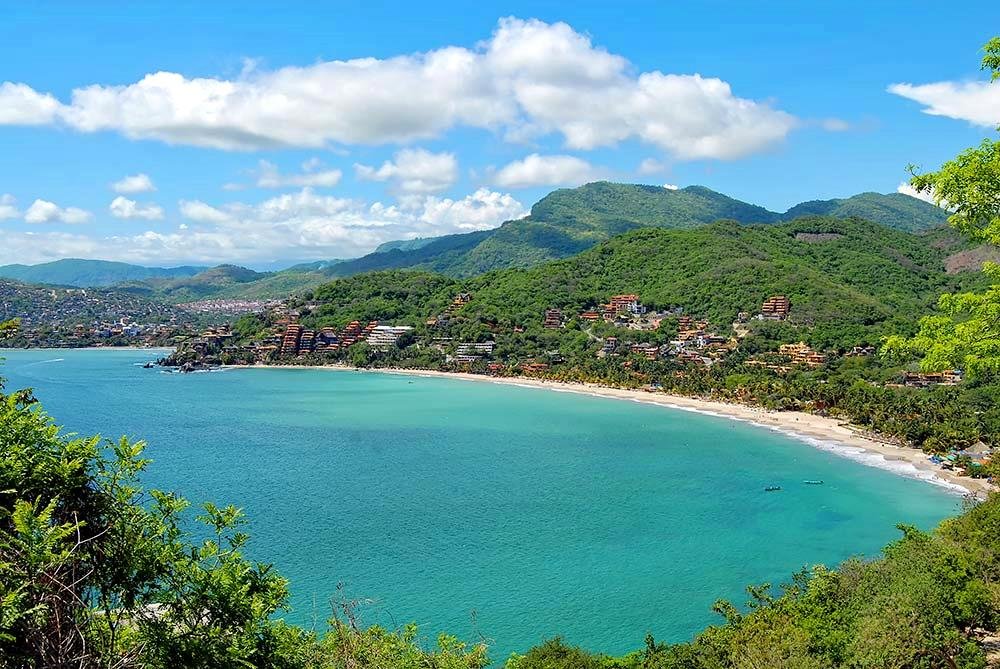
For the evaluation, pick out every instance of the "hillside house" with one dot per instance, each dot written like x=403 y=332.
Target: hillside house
x=775 y=308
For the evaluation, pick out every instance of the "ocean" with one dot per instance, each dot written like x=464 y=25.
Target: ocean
x=484 y=510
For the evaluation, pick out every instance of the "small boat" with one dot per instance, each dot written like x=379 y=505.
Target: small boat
x=772 y=488
x=813 y=482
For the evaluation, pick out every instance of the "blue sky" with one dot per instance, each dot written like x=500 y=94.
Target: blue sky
x=254 y=134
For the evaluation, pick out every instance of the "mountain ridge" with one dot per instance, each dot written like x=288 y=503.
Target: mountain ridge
x=564 y=223
x=89 y=273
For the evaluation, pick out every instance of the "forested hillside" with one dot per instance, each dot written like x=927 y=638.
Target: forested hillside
x=568 y=221
x=847 y=279
x=894 y=210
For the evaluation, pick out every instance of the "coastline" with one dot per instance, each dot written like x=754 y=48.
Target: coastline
x=821 y=432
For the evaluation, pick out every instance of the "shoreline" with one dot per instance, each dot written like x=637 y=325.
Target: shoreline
x=829 y=434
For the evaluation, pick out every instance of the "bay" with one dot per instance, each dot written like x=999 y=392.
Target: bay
x=485 y=510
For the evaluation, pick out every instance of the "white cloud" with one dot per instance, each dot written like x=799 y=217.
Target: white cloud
x=269 y=177
x=415 y=171
x=43 y=211
x=482 y=210
x=977 y=102
x=22 y=105
x=529 y=78
x=302 y=225
x=650 y=166
x=122 y=207
x=907 y=189
x=537 y=170
x=670 y=186
x=197 y=210
x=137 y=183
x=8 y=207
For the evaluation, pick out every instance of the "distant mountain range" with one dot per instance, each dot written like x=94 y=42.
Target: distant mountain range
x=563 y=223
x=91 y=273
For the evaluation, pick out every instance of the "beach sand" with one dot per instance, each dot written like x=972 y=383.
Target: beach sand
x=819 y=431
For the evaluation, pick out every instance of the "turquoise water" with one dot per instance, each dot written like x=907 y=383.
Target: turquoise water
x=481 y=509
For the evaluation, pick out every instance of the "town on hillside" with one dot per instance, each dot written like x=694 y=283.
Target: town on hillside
x=629 y=331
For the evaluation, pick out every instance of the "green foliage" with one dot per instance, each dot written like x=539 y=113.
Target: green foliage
x=965 y=331
x=9 y=327
x=969 y=185
x=963 y=334
x=991 y=58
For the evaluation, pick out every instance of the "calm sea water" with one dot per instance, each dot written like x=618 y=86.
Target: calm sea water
x=479 y=509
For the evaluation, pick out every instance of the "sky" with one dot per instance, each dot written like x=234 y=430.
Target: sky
x=268 y=134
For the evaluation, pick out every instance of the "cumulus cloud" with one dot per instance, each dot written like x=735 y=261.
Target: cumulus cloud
x=43 y=211
x=670 y=186
x=196 y=210
x=137 y=183
x=8 y=207
x=482 y=210
x=268 y=176
x=538 y=170
x=529 y=78
x=977 y=102
x=302 y=225
x=414 y=171
x=22 y=105
x=122 y=207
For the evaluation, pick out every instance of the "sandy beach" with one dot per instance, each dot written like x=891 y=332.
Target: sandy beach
x=818 y=431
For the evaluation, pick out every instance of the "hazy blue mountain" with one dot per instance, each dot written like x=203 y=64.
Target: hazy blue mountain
x=91 y=273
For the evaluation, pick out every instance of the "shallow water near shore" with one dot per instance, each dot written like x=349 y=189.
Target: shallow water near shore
x=480 y=509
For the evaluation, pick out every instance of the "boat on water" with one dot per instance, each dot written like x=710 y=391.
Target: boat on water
x=772 y=488
x=807 y=482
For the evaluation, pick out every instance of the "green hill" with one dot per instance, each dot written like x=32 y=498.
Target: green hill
x=91 y=273
x=894 y=210
x=211 y=283
x=568 y=221
x=848 y=280
x=404 y=244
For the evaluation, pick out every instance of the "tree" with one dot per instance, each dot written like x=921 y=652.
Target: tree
x=965 y=333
